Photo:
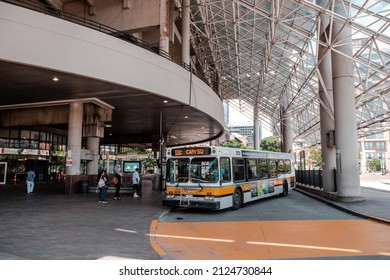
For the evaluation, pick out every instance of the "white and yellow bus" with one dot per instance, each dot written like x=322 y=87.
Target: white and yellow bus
x=220 y=177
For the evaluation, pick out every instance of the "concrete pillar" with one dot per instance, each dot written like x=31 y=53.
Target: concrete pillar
x=93 y=146
x=256 y=135
x=75 y=129
x=287 y=133
x=164 y=25
x=185 y=32
x=347 y=151
x=326 y=119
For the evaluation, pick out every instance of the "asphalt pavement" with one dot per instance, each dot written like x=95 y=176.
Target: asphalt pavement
x=49 y=225
x=376 y=194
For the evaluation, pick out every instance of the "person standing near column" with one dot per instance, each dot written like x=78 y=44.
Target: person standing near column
x=102 y=186
x=117 y=180
x=30 y=178
x=136 y=181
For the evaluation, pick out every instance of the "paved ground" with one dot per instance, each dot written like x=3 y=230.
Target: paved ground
x=50 y=225
x=376 y=191
x=294 y=227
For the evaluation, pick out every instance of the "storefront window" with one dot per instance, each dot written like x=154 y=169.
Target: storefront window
x=24 y=143
x=35 y=135
x=25 y=134
x=14 y=143
x=15 y=133
x=42 y=136
x=34 y=144
x=4 y=143
x=25 y=148
x=4 y=133
x=44 y=146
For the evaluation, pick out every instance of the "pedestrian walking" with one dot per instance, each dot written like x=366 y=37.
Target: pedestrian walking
x=136 y=183
x=30 y=180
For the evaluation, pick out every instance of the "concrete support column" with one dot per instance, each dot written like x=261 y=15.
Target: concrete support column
x=326 y=119
x=185 y=32
x=287 y=134
x=164 y=25
x=347 y=151
x=75 y=129
x=93 y=146
x=256 y=135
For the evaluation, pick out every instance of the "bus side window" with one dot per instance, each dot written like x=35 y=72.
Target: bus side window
x=238 y=169
x=263 y=167
x=225 y=170
x=280 y=166
x=272 y=168
x=252 y=169
x=288 y=166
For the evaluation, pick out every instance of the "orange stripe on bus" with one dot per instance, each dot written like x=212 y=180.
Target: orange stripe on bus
x=204 y=191
x=219 y=191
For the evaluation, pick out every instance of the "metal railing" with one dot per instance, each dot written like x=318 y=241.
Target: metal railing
x=309 y=177
x=49 y=10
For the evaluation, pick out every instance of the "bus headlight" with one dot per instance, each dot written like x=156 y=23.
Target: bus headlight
x=209 y=198
x=170 y=196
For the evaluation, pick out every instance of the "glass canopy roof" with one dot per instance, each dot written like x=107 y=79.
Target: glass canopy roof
x=264 y=54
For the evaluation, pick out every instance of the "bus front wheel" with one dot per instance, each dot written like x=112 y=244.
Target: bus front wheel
x=237 y=199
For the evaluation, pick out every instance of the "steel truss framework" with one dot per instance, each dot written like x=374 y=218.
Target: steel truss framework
x=264 y=54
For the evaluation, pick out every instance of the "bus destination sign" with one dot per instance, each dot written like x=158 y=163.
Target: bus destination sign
x=197 y=151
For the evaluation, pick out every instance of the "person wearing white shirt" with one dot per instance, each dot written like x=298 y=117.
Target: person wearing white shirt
x=136 y=183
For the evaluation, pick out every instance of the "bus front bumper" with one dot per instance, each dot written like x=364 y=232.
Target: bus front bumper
x=212 y=205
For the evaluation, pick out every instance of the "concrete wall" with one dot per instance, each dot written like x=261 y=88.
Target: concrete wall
x=35 y=116
x=141 y=15
x=58 y=44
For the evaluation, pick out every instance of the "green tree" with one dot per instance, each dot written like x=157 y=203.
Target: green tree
x=315 y=157
x=270 y=143
x=149 y=162
x=233 y=144
x=374 y=165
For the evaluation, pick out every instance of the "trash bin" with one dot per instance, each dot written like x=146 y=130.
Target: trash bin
x=83 y=186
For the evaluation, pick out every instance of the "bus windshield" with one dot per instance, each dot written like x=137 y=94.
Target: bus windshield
x=204 y=170
x=177 y=170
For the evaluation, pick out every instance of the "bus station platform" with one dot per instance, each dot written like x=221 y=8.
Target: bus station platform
x=49 y=225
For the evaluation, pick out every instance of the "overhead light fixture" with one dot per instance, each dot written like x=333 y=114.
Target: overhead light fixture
x=165 y=101
x=55 y=79
x=186 y=117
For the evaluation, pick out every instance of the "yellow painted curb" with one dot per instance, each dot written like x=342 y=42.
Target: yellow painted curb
x=152 y=233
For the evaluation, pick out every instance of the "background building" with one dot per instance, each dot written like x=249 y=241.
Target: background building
x=374 y=146
x=244 y=130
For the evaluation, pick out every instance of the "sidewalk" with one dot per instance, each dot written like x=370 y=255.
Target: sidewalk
x=375 y=191
x=51 y=225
